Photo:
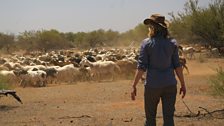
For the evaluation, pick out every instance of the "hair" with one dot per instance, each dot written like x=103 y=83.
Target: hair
x=158 y=30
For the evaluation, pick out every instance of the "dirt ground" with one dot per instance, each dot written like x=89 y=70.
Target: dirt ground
x=109 y=103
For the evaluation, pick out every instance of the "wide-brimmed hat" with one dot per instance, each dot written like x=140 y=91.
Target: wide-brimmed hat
x=158 y=19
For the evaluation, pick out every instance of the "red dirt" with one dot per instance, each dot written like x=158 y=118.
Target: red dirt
x=109 y=103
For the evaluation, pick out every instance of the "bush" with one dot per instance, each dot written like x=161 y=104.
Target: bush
x=217 y=82
x=4 y=83
x=201 y=59
x=202 y=25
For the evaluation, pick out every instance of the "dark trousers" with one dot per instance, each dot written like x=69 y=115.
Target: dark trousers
x=152 y=98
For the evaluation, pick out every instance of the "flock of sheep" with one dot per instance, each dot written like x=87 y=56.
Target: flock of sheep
x=69 y=66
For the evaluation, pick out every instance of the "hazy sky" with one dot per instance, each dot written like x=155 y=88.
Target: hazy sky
x=82 y=15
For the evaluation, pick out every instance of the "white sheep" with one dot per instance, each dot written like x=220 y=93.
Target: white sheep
x=39 y=67
x=101 y=68
x=34 y=78
x=67 y=73
x=188 y=52
x=9 y=76
x=12 y=66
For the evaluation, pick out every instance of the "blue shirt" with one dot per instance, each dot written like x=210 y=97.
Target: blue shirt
x=159 y=57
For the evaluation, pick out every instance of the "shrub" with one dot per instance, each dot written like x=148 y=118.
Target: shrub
x=4 y=83
x=217 y=82
x=201 y=59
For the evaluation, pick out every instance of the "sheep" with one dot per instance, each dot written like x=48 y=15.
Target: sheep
x=214 y=52
x=2 y=61
x=188 y=52
x=85 y=73
x=39 y=67
x=128 y=67
x=90 y=58
x=11 y=65
x=51 y=74
x=9 y=75
x=33 y=78
x=6 y=73
x=67 y=73
x=100 y=68
x=221 y=50
x=3 y=67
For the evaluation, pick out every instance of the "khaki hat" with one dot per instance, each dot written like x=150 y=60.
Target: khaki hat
x=158 y=19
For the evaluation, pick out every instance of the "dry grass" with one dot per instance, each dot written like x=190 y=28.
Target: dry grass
x=4 y=83
x=217 y=82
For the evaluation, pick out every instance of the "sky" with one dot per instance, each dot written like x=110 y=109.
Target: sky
x=17 y=16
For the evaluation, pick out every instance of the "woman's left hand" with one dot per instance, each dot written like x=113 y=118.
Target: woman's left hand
x=133 y=93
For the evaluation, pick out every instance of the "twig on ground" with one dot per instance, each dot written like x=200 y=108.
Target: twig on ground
x=82 y=116
x=193 y=115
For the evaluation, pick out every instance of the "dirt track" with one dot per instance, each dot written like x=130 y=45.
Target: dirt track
x=108 y=103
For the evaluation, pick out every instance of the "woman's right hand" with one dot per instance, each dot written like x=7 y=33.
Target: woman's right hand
x=183 y=91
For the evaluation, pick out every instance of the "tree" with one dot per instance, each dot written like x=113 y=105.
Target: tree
x=6 y=41
x=200 y=24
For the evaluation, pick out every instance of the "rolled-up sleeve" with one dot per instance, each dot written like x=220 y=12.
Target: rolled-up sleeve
x=143 y=57
x=175 y=57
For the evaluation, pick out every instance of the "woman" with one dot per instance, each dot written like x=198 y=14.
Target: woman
x=159 y=58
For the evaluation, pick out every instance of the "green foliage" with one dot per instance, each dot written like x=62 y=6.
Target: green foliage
x=28 y=40
x=43 y=40
x=217 y=82
x=46 y=40
x=4 y=83
x=6 y=41
x=95 y=38
x=204 y=25
x=51 y=40
x=69 y=36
